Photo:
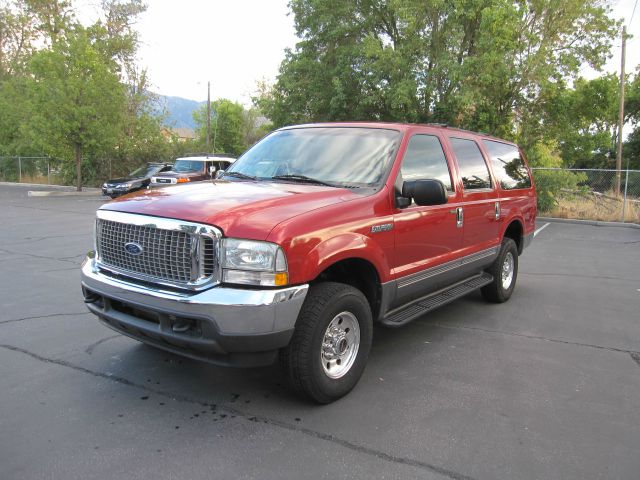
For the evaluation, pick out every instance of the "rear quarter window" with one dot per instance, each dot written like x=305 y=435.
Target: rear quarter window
x=508 y=165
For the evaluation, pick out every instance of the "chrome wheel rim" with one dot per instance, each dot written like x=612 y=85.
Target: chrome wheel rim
x=340 y=345
x=508 y=267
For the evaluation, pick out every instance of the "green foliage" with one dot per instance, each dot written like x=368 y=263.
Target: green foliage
x=76 y=92
x=632 y=151
x=550 y=183
x=233 y=129
x=479 y=64
x=75 y=99
x=583 y=120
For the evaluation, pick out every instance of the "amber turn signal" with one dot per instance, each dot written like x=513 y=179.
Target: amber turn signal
x=281 y=279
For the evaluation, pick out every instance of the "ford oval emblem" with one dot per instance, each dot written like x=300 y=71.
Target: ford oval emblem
x=133 y=248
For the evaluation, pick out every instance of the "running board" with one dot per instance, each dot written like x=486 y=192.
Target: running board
x=418 y=308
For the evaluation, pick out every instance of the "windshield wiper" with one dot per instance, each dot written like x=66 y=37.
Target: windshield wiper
x=301 y=179
x=238 y=175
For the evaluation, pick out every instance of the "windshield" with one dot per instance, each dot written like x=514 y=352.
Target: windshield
x=146 y=171
x=188 y=166
x=338 y=156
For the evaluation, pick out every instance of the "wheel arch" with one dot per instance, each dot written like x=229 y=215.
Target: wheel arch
x=515 y=231
x=359 y=273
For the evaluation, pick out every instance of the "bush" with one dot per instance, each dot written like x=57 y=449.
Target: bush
x=551 y=183
x=553 y=180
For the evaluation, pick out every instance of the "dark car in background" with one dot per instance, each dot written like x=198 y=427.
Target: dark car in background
x=193 y=169
x=136 y=180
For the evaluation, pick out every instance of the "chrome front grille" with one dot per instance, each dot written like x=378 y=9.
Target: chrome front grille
x=157 y=250
x=165 y=254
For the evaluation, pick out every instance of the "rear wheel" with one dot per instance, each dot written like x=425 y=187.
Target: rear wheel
x=330 y=346
x=504 y=271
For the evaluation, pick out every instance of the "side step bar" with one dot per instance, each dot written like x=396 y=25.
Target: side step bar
x=404 y=315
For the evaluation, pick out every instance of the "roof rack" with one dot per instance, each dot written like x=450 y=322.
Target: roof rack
x=444 y=125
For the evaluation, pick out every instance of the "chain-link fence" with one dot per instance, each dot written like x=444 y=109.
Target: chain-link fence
x=43 y=170
x=589 y=194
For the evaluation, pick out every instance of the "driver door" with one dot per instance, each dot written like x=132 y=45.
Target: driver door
x=428 y=238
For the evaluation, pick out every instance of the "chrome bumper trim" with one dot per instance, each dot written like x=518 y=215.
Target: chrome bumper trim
x=233 y=311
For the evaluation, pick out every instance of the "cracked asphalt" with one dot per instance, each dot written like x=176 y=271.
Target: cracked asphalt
x=545 y=386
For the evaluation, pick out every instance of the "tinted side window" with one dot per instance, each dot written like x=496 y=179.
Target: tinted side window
x=473 y=169
x=424 y=159
x=508 y=166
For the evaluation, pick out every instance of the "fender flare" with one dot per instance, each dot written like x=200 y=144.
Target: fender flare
x=514 y=219
x=343 y=247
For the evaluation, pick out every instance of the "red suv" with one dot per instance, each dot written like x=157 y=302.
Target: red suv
x=310 y=237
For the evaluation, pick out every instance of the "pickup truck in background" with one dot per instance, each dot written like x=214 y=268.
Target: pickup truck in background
x=313 y=235
x=192 y=169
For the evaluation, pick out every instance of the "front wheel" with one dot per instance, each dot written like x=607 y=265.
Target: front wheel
x=504 y=271
x=331 y=343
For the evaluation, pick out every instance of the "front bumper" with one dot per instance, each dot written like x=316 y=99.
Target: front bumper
x=221 y=325
x=111 y=190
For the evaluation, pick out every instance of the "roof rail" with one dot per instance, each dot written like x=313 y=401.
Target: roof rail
x=196 y=154
x=205 y=154
x=459 y=129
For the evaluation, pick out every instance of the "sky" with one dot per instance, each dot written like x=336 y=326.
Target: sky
x=235 y=43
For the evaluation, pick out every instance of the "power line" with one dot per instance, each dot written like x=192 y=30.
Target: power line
x=634 y=11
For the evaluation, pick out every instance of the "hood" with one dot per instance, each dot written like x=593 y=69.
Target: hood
x=123 y=180
x=241 y=209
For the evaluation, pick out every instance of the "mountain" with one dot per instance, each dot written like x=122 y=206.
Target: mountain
x=179 y=111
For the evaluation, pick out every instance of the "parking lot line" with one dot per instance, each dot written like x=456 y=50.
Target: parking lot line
x=540 y=229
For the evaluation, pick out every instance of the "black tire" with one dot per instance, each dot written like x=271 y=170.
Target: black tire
x=498 y=291
x=303 y=360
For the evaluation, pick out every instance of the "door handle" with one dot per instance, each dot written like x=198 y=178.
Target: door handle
x=497 y=210
x=459 y=216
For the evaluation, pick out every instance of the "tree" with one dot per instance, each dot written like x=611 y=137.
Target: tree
x=17 y=36
x=583 y=120
x=53 y=18
x=254 y=126
x=227 y=123
x=479 y=64
x=76 y=92
x=76 y=99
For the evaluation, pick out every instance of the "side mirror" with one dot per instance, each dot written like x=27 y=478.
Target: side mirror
x=219 y=173
x=425 y=192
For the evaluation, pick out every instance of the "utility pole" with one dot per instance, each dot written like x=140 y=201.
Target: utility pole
x=621 y=113
x=208 y=115
x=215 y=131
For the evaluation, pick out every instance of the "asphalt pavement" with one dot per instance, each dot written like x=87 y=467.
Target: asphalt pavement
x=546 y=386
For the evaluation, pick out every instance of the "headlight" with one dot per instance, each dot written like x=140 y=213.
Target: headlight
x=249 y=262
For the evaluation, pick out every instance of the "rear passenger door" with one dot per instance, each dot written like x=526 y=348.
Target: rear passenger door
x=480 y=203
x=517 y=198
x=427 y=237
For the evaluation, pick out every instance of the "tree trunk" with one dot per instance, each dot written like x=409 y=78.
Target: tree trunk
x=79 y=167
